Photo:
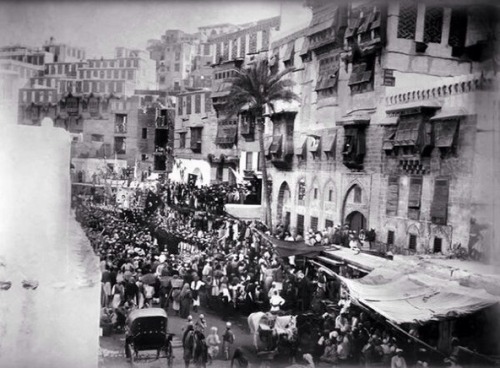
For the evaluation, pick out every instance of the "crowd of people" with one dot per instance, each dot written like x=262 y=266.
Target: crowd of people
x=210 y=198
x=222 y=265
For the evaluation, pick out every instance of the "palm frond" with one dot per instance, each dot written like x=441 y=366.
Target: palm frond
x=255 y=87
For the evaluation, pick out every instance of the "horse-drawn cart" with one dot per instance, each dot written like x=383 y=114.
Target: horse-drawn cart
x=146 y=330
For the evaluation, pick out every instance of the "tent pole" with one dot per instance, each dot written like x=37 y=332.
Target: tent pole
x=416 y=339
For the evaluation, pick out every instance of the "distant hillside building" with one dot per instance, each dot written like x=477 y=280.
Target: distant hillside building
x=84 y=96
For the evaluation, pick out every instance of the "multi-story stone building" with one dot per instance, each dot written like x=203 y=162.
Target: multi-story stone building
x=63 y=52
x=174 y=55
x=26 y=62
x=228 y=153
x=236 y=135
x=195 y=132
x=111 y=106
x=26 y=54
x=387 y=133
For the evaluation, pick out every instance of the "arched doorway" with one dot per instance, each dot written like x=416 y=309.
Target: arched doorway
x=199 y=177
x=283 y=211
x=356 y=221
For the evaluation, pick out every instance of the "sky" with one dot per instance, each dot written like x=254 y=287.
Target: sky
x=100 y=26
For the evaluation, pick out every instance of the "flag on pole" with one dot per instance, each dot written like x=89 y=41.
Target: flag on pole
x=239 y=178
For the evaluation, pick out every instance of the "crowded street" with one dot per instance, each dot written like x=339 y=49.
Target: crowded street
x=219 y=272
x=250 y=184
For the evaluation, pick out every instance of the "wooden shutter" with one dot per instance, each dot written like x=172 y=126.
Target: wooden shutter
x=415 y=192
x=412 y=243
x=179 y=101
x=188 y=105
x=390 y=237
x=392 y=196
x=433 y=24
x=300 y=224
x=458 y=27
x=439 y=207
x=314 y=223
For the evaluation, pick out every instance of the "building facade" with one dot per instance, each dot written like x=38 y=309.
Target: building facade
x=194 y=140
x=118 y=120
x=175 y=56
x=386 y=132
x=229 y=151
x=63 y=52
x=236 y=137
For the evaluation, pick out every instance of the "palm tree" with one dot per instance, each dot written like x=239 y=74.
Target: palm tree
x=256 y=89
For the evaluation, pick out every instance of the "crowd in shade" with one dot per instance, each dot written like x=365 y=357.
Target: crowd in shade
x=183 y=261
x=211 y=198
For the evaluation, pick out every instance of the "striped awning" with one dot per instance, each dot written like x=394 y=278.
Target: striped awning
x=360 y=74
x=450 y=113
x=444 y=133
x=407 y=133
x=326 y=81
x=316 y=28
x=329 y=142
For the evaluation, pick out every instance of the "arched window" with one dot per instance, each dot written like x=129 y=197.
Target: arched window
x=329 y=193
x=355 y=197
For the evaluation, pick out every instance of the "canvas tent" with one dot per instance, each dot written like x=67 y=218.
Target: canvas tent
x=415 y=297
x=291 y=248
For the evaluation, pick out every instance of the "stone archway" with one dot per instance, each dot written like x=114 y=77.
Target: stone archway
x=283 y=210
x=354 y=200
x=357 y=221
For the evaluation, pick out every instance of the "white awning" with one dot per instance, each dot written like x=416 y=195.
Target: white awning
x=323 y=268
x=415 y=297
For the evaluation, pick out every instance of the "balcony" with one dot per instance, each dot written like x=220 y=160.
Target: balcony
x=281 y=152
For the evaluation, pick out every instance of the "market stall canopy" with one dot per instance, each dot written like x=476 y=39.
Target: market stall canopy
x=415 y=297
x=291 y=248
x=245 y=212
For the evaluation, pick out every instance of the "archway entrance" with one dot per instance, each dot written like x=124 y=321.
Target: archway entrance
x=283 y=211
x=356 y=221
x=199 y=177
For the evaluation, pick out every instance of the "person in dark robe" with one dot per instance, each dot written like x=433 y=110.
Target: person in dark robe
x=305 y=292
x=188 y=345
x=186 y=301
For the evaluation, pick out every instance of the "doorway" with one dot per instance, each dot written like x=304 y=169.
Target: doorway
x=356 y=221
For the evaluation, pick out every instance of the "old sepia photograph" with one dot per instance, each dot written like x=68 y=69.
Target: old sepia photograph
x=249 y=184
